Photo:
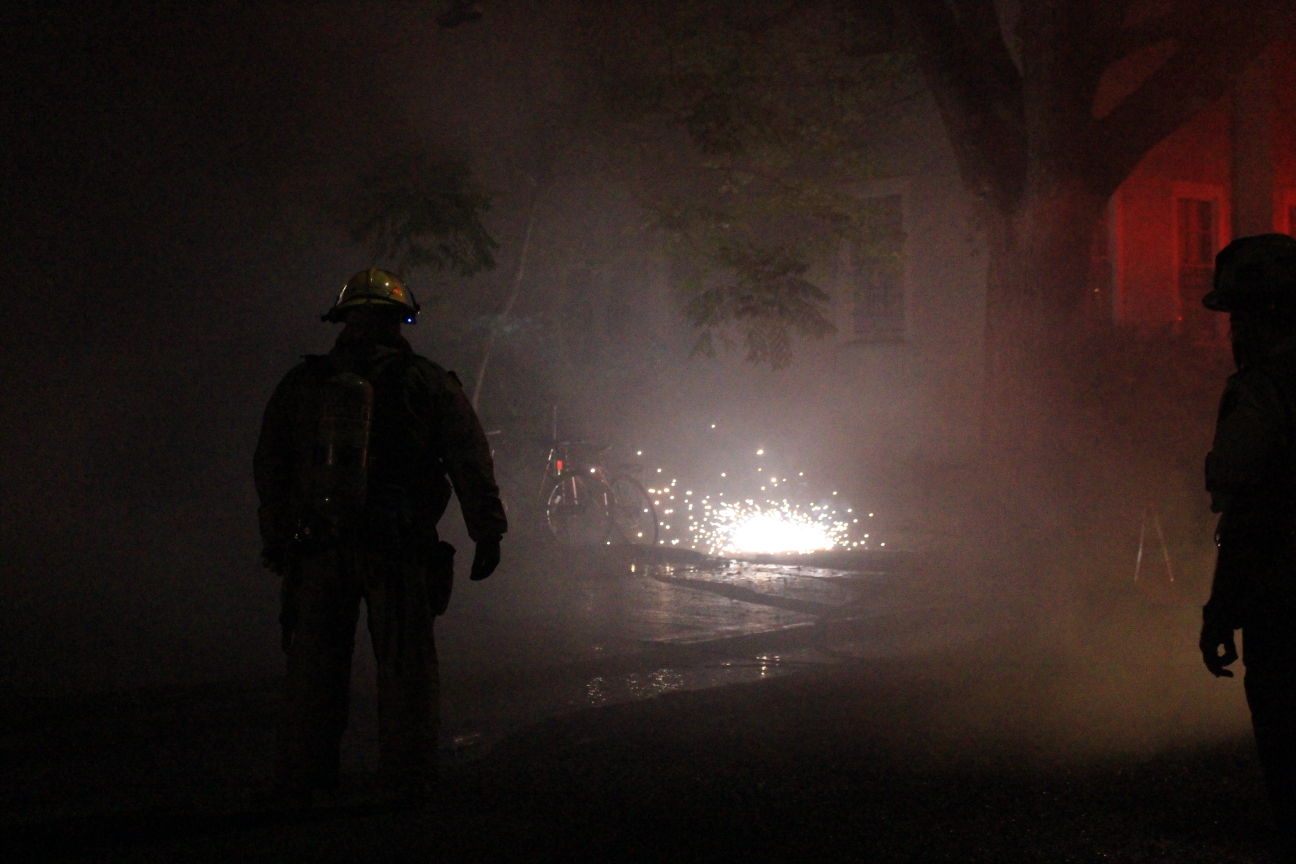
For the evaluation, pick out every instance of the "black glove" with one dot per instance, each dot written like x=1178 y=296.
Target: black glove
x=486 y=557
x=1218 y=648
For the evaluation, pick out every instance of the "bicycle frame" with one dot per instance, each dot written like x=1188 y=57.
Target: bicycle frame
x=586 y=502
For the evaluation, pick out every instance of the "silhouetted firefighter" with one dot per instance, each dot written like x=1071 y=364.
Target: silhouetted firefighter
x=358 y=454
x=1251 y=477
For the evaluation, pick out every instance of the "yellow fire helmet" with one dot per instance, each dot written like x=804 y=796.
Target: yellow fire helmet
x=374 y=286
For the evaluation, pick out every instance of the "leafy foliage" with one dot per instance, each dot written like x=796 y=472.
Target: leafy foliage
x=423 y=211
x=762 y=293
x=765 y=111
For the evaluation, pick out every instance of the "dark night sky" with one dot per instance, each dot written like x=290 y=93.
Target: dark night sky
x=172 y=174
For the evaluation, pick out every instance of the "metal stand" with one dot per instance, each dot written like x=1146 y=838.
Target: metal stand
x=1165 y=547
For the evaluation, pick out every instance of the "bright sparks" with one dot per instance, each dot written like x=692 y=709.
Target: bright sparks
x=752 y=530
x=735 y=513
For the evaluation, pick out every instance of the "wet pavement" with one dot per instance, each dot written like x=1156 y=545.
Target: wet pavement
x=554 y=632
x=568 y=629
x=898 y=743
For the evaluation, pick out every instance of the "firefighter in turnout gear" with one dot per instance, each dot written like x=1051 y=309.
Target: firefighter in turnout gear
x=1251 y=477
x=358 y=455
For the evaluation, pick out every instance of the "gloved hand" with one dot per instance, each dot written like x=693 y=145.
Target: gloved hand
x=1218 y=648
x=486 y=557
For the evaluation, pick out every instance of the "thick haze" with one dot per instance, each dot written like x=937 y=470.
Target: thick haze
x=172 y=176
x=176 y=182
x=179 y=182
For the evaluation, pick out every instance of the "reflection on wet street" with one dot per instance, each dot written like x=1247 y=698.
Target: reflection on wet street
x=601 y=690
x=687 y=604
x=580 y=630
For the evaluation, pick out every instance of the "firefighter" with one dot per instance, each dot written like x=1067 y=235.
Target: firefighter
x=358 y=454
x=1251 y=477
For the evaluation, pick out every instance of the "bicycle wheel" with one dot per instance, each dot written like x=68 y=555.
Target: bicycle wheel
x=577 y=510
x=634 y=519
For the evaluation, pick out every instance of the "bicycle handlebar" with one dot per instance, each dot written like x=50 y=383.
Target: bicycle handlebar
x=588 y=443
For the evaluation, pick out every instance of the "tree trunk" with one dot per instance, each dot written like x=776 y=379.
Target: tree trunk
x=1036 y=293
x=1017 y=86
x=1037 y=451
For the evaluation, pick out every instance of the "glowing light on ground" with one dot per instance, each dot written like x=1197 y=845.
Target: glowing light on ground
x=755 y=531
x=734 y=512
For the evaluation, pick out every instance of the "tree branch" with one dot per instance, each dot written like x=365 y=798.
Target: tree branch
x=977 y=90
x=1215 y=49
x=1132 y=39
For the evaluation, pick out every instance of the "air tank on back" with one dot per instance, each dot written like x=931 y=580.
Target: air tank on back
x=340 y=462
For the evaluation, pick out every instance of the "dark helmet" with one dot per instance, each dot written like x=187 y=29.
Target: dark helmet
x=374 y=287
x=1254 y=272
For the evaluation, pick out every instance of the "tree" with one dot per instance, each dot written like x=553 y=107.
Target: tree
x=778 y=100
x=752 y=124
x=1043 y=135
x=419 y=210
x=423 y=211
x=775 y=99
x=1049 y=106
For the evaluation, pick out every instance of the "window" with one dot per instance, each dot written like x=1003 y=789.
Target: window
x=1197 y=221
x=877 y=302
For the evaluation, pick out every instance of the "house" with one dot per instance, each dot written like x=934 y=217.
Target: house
x=1229 y=172
x=897 y=387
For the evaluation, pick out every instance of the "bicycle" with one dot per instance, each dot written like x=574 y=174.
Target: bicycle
x=588 y=504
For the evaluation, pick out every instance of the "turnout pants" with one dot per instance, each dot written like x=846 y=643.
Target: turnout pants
x=1269 y=646
x=332 y=584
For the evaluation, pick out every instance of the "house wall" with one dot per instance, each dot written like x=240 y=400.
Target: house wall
x=886 y=408
x=1239 y=153
x=919 y=393
x=849 y=406
x=1194 y=162
x=1282 y=67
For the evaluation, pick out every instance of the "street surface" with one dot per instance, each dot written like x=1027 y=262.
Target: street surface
x=935 y=715
x=565 y=629
x=554 y=631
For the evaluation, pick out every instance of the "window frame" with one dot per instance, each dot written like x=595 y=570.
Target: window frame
x=854 y=263
x=1216 y=195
